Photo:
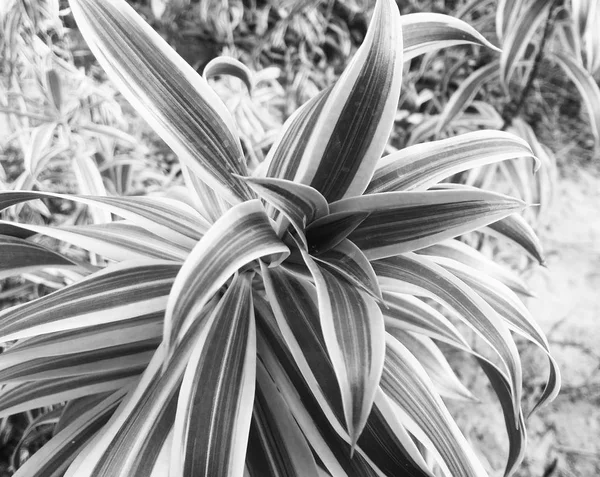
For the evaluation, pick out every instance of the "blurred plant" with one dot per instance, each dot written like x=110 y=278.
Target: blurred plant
x=532 y=33
x=281 y=324
x=65 y=125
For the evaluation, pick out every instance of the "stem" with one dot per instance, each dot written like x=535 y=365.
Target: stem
x=514 y=108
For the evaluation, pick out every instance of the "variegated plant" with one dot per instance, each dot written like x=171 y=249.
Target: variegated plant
x=283 y=321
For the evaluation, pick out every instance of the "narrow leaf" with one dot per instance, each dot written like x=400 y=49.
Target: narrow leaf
x=420 y=166
x=214 y=408
x=239 y=237
x=177 y=102
x=400 y=222
x=516 y=229
x=353 y=330
x=426 y=32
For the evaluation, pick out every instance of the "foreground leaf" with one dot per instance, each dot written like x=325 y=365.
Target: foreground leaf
x=239 y=237
x=214 y=408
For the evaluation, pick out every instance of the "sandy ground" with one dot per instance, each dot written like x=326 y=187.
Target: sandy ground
x=564 y=438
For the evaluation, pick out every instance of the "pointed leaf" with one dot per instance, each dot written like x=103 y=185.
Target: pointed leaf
x=405 y=381
x=516 y=229
x=167 y=218
x=214 y=408
x=408 y=313
x=177 y=102
x=444 y=287
x=117 y=293
x=352 y=129
x=347 y=260
x=400 y=222
x=239 y=237
x=463 y=253
x=425 y=32
x=426 y=352
x=353 y=330
x=18 y=256
x=328 y=232
x=276 y=445
x=419 y=166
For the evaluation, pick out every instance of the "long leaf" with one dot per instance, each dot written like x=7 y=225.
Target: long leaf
x=353 y=330
x=516 y=229
x=55 y=456
x=425 y=32
x=214 y=408
x=276 y=445
x=167 y=218
x=118 y=293
x=239 y=237
x=401 y=222
x=351 y=131
x=18 y=256
x=444 y=287
x=167 y=92
x=419 y=166
x=405 y=381
x=519 y=35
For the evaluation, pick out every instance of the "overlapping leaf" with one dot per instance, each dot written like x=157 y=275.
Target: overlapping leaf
x=168 y=93
x=419 y=166
x=239 y=237
x=401 y=222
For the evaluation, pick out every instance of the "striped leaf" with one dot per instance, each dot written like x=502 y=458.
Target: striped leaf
x=444 y=380
x=285 y=156
x=331 y=446
x=426 y=32
x=226 y=65
x=405 y=381
x=25 y=396
x=442 y=286
x=347 y=260
x=420 y=166
x=353 y=331
x=117 y=241
x=117 y=293
x=516 y=229
x=519 y=35
x=327 y=233
x=89 y=181
x=410 y=314
x=170 y=219
x=276 y=445
x=55 y=456
x=400 y=222
x=18 y=256
x=515 y=424
x=587 y=87
x=300 y=204
x=514 y=312
x=292 y=309
x=239 y=237
x=466 y=92
x=463 y=253
x=167 y=92
x=131 y=442
x=506 y=13
x=351 y=130
x=214 y=408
